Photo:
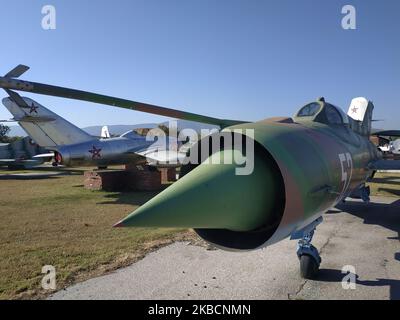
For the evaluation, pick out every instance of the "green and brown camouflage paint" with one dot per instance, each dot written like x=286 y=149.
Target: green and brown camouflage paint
x=319 y=163
x=309 y=163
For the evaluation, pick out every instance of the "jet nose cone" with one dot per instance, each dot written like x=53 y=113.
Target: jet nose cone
x=119 y=224
x=212 y=196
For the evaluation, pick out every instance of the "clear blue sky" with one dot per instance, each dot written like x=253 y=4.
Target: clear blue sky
x=227 y=58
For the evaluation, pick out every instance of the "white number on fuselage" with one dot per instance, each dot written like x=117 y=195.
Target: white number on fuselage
x=346 y=163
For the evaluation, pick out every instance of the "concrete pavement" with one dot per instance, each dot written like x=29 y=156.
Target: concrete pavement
x=365 y=237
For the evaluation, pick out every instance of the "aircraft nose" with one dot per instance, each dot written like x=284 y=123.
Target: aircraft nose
x=212 y=196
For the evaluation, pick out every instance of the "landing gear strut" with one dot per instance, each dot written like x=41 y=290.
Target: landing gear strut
x=365 y=193
x=308 y=255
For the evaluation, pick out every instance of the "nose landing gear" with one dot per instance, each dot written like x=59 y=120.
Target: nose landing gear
x=308 y=255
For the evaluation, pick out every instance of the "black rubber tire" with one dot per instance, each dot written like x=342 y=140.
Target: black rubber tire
x=308 y=267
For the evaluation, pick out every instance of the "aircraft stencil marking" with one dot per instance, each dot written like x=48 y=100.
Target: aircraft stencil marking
x=95 y=153
x=346 y=160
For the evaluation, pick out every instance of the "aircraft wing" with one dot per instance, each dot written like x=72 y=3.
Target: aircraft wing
x=9 y=82
x=387 y=133
x=385 y=165
x=164 y=157
x=159 y=157
x=7 y=161
x=17 y=71
x=44 y=155
x=30 y=162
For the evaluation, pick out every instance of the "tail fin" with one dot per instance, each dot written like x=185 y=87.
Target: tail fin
x=360 y=114
x=45 y=127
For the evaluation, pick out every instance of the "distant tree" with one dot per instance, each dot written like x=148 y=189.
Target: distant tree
x=142 y=131
x=4 y=130
x=146 y=131
x=12 y=139
x=164 y=128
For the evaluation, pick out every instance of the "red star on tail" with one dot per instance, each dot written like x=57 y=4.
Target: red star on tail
x=33 y=108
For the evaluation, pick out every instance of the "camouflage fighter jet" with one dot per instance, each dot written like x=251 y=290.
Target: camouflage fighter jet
x=302 y=166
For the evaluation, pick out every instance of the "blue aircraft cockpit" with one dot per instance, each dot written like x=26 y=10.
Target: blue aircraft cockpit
x=321 y=111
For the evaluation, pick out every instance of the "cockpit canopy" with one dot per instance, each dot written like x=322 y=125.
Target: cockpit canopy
x=132 y=134
x=321 y=111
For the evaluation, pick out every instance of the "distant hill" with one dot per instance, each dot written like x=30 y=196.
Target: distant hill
x=120 y=129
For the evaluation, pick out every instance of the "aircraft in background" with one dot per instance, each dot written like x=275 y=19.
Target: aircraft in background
x=386 y=148
x=387 y=144
x=396 y=146
x=22 y=154
x=303 y=165
x=72 y=146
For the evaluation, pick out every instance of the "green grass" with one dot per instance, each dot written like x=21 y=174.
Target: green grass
x=55 y=221
x=385 y=184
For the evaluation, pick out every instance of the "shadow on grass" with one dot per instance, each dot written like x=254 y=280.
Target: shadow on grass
x=29 y=177
x=136 y=198
x=38 y=173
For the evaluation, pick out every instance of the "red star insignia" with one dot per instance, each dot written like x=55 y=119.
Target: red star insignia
x=354 y=110
x=33 y=108
x=95 y=153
